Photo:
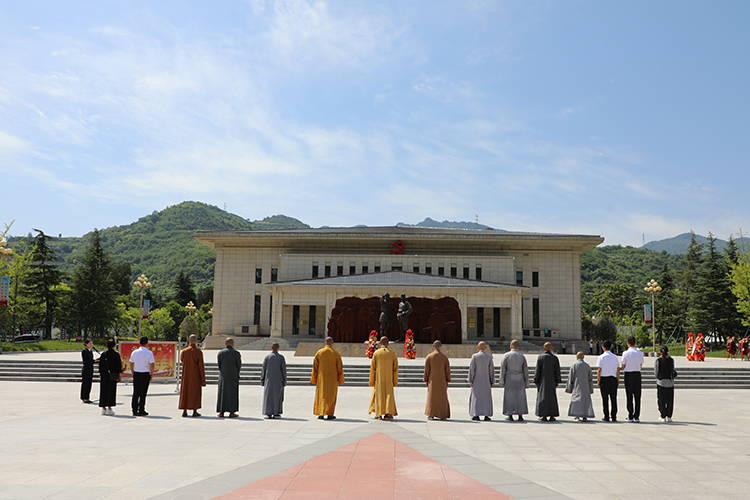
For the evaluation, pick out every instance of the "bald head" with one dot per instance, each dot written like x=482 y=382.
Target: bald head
x=481 y=346
x=384 y=341
x=437 y=345
x=229 y=342
x=579 y=355
x=329 y=340
x=548 y=346
x=515 y=344
x=274 y=346
x=193 y=339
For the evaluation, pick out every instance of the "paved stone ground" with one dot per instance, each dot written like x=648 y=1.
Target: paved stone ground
x=55 y=447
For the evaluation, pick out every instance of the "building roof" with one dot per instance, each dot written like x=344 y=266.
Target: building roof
x=398 y=278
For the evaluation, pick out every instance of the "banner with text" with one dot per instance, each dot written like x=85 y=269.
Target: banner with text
x=4 y=289
x=647 y=313
x=165 y=357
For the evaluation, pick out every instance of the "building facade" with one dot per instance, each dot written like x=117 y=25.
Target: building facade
x=286 y=283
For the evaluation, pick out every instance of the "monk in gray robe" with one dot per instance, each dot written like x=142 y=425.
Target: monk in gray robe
x=546 y=378
x=514 y=377
x=228 y=398
x=273 y=380
x=481 y=380
x=580 y=387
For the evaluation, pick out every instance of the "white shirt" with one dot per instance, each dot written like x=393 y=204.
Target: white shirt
x=141 y=359
x=609 y=363
x=632 y=360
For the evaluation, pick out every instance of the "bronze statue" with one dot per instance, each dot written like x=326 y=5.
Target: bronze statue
x=386 y=314
x=404 y=311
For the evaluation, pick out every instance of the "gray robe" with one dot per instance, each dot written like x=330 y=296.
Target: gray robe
x=481 y=378
x=273 y=380
x=546 y=378
x=580 y=387
x=514 y=377
x=228 y=398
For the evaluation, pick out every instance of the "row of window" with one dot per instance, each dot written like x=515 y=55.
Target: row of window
x=495 y=322
x=534 y=278
x=259 y=275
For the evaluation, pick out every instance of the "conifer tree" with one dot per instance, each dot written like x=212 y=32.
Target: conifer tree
x=183 y=289
x=94 y=294
x=44 y=276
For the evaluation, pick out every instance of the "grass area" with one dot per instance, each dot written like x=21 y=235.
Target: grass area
x=51 y=345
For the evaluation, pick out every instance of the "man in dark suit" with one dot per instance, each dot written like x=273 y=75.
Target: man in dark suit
x=87 y=373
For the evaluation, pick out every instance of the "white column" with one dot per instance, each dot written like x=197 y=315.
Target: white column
x=463 y=305
x=516 y=321
x=277 y=316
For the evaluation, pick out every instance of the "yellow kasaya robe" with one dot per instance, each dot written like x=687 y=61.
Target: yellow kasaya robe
x=193 y=378
x=383 y=378
x=437 y=374
x=327 y=374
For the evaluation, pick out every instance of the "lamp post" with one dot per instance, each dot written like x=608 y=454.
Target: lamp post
x=190 y=308
x=653 y=288
x=142 y=282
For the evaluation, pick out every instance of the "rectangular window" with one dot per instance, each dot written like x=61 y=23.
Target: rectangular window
x=535 y=278
x=466 y=273
x=537 y=333
x=377 y=269
x=519 y=278
x=478 y=274
x=327 y=271
x=535 y=313
x=245 y=329
x=396 y=267
x=428 y=269
x=312 y=317
x=454 y=272
x=365 y=269
x=416 y=269
x=441 y=271
x=352 y=269
x=495 y=321
x=295 y=320
x=315 y=271
x=339 y=270
x=480 y=321
x=270 y=310
x=274 y=275
x=258 y=276
x=256 y=314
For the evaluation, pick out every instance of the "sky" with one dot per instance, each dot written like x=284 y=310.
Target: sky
x=625 y=119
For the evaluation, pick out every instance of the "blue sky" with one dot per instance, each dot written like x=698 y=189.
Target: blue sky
x=621 y=119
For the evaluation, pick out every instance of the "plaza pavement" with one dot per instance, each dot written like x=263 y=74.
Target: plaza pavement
x=55 y=447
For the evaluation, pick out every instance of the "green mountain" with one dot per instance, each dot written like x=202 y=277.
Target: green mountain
x=680 y=243
x=161 y=245
x=428 y=222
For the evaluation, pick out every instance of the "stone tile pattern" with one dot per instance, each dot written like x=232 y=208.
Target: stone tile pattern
x=376 y=467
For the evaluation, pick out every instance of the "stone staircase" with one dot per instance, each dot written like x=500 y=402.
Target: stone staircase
x=699 y=377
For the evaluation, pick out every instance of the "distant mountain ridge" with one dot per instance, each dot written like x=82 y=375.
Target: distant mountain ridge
x=428 y=222
x=679 y=244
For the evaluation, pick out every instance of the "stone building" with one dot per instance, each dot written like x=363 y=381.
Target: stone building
x=286 y=283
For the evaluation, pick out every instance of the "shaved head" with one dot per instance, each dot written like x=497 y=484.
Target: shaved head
x=193 y=339
x=482 y=346
x=329 y=340
x=515 y=344
x=229 y=342
x=579 y=355
x=383 y=341
x=548 y=346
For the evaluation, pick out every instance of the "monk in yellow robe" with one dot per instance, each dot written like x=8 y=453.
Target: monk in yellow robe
x=327 y=374
x=193 y=378
x=437 y=375
x=383 y=378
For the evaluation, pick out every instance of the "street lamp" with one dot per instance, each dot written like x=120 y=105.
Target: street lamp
x=190 y=308
x=653 y=288
x=142 y=282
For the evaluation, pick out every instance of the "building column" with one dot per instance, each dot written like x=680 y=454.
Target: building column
x=277 y=315
x=516 y=321
x=330 y=304
x=463 y=305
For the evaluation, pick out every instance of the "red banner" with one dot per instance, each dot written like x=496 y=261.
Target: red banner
x=4 y=288
x=164 y=356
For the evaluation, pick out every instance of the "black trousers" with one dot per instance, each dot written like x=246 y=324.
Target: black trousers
x=140 y=388
x=665 y=400
x=608 y=388
x=87 y=376
x=633 y=394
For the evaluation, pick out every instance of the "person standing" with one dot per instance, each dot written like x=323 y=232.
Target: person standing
x=437 y=376
x=607 y=378
x=665 y=373
x=563 y=347
x=327 y=375
x=142 y=363
x=481 y=379
x=110 y=373
x=87 y=372
x=273 y=380
x=547 y=377
x=383 y=378
x=514 y=378
x=632 y=361
x=193 y=378
x=230 y=363
x=580 y=386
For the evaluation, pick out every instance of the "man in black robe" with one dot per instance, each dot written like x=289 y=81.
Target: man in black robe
x=230 y=362
x=87 y=373
x=547 y=377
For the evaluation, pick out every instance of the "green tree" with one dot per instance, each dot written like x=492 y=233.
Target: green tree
x=690 y=269
x=205 y=296
x=739 y=276
x=17 y=266
x=122 y=277
x=183 y=289
x=617 y=300
x=43 y=277
x=177 y=312
x=94 y=293
x=189 y=326
x=668 y=314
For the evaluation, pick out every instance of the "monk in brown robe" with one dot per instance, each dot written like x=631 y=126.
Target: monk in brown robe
x=383 y=378
x=193 y=378
x=437 y=374
x=327 y=374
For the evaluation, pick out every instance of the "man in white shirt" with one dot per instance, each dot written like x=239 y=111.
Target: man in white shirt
x=632 y=361
x=607 y=378
x=142 y=363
